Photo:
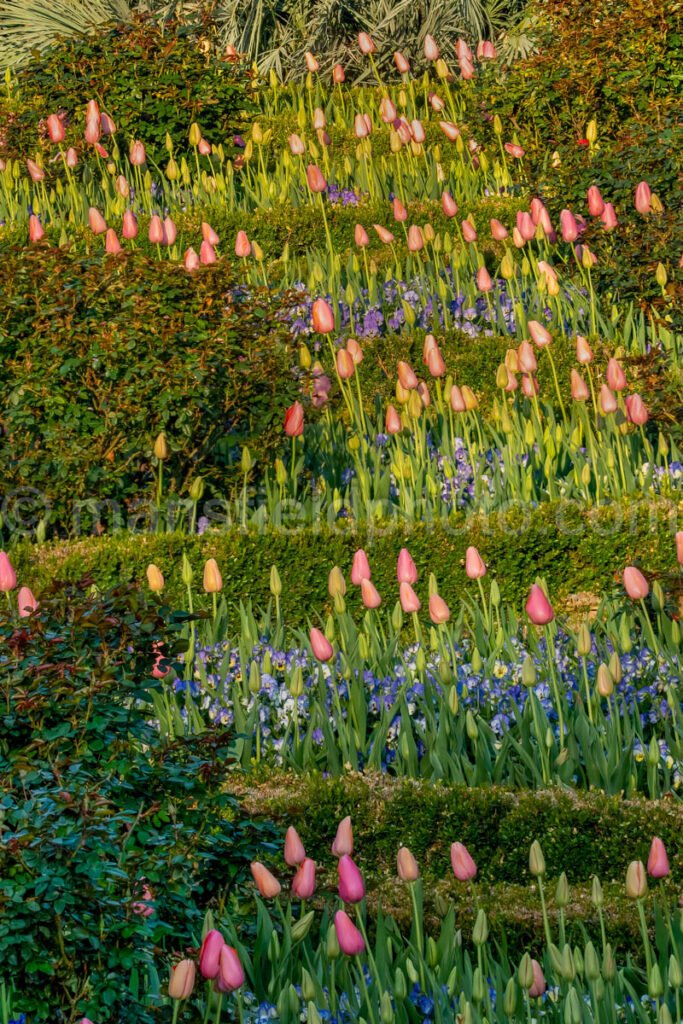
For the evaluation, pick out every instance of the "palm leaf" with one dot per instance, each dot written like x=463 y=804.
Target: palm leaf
x=30 y=25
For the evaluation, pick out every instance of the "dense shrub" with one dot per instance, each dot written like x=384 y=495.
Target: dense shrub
x=152 y=82
x=576 y=551
x=92 y=807
x=96 y=358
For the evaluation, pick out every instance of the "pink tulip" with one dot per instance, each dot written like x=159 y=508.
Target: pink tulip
x=365 y=43
x=530 y=386
x=643 y=200
x=350 y=940
x=209 y=235
x=338 y=74
x=35 y=229
x=384 y=234
x=448 y=204
x=351 y=884
x=361 y=236
x=410 y=602
x=474 y=565
x=537 y=207
x=130 y=225
x=415 y=241
x=71 y=158
x=608 y=403
x=498 y=231
x=406 y=865
x=406 y=376
x=142 y=908
x=230 y=972
x=107 y=124
x=462 y=50
x=431 y=50
x=538 y=987
x=450 y=130
x=182 y=980
x=242 y=245
x=526 y=358
x=266 y=883
x=584 y=353
x=170 y=231
x=438 y=610
x=294 y=420
x=295 y=853
x=608 y=217
x=303 y=883
x=525 y=225
x=320 y=645
x=467 y=72
x=406 y=570
x=387 y=110
x=538 y=607
x=360 y=569
x=26 y=602
x=399 y=210
x=402 y=65
x=463 y=866
x=210 y=954
x=435 y=362
x=596 y=204
x=92 y=131
x=204 y=147
x=514 y=150
x=635 y=584
x=484 y=282
x=539 y=334
x=392 y=421
x=112 y=244
x=361 y=129
x=418 y=131
x=345 y=364
x=343 y=841
x=568 y=226
x=136 y=154
x=456 y=399
x=191 y=260
x=322 y=317
x=97 y=223
x=616 y=378
x=296 y=145
x=636 y=410
x=369 y=594
x=316 y=181
x=55 y=128
x=579 y=388
x=679 y=547
x=207 y=253
x=658 y=862
x=469 y=232
x=517 y=238
x=122 y=186
x=8 y=577
x=155 y=232
x=312 y=64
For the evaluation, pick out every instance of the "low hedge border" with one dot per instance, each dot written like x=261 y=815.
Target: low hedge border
x=579 y=552
x=582 y=834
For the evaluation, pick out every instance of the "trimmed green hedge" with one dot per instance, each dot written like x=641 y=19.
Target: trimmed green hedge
x=581 y=834
x=579 y=552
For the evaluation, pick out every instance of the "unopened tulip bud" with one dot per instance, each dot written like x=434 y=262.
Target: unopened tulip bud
x=464 y=867
x=605 y=682
x=155 y=578
x=636 y=880
x=635 y=584
x=536 y=860
x=406 y=865
x=213 y=582
x=266 y=883
x=658 y=862
x=182 y=980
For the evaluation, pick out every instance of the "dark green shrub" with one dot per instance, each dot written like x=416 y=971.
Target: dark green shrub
x=151 y=82
x=97 y=357
x=92 y=807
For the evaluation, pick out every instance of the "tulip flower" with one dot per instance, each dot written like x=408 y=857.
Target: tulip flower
x=320 y=645
x=96 y=221
x=635 y=584
x=369 y=594
x=679 y=547
x=568 y=226
x=439 y=611
x=608 y=217
x=539 y=335
x=456 y=399
x=463 y=866
x=361 y=236
x=213 y=582
x=450 y=130
x=636 y=410
x=295 y=853
x=107 y=124
x=209 y=235
x=406 y=865
x=315 y=178
x=92 y=131
x=155 y=231
x=170 y=231
x=361 y=128
x=406 y=376
x=616 y=378
x=596 y=204
x=636 y=880
x=143 y=908
x=182 y=980
x=448 y=204
x=525 y=225
x=351 y=884
x=191 y=260
x=155 y=578
x=526 y=358
x=608 y=403
x=360 y=569
x=406 y=570
x=579 y=388
x=111 y=243
x=71 y=158
x=514 y=150
x=365 y=43
x=242 y=245
x=538 y=987
x=402 y=65
x=469 y=232
x=322 y=317
x=345 y=364
x=399 y=210
x=230 y=973
x=294 y=420
x=410 y=602
x=207 y=253
x=384 y=234
x=387 y=110
x=658 y=862
x=350 y=940
x=584 y=353
x=55 y=128
x=26 y=602
x=204 y=147
x=418 y=131
x=312 y=64
x=343 y=841
x=484 y=282
x=431 y=50
x=35 y=229
x=355 y=351
x=498 y=231
x=130 y=225
x=538 y=607
x=530 y=386
x=467 y=72
x=8 y=577
x=474 y=565
x=338 y=74
x=266 y=883
x=296 y=145
x=643 y=200
x=392 y=421
x=210 y=954
x=303 y=883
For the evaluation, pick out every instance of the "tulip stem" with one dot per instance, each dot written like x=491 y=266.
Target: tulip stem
x=646 y=937
x=219 y=1009
x=419 y=936
x=176 y=1010
x=546 y=923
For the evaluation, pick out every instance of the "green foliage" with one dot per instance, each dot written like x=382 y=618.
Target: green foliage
x=97 y=358
x=153 y=83
x=577 y=551
x=91 y=809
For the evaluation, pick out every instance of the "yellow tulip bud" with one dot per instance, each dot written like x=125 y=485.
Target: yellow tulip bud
x=155 y=578
x=213 y=581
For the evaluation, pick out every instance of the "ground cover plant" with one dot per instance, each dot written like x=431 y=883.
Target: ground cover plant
x=341 y=564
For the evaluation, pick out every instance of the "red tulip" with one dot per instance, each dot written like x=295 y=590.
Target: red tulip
x=320 y=645
x=438 y=610
x=351 y=884
x=303 y=883
x=343 y=841
x=294 y=848
x=266 y=883
x=350 y=940
x=658 y=862
x=322 y=316
x=635 y=584
x=463 y=866
x=294 y=420
x=210 y=954
x=538 y=607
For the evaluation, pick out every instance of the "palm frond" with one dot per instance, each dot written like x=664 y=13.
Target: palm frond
x=30 y=25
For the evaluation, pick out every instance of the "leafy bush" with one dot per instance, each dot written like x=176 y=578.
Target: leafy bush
x=577 y=551
x=114 y=352
x=92 y=808
x=152 y=82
